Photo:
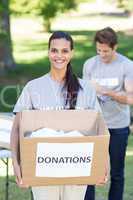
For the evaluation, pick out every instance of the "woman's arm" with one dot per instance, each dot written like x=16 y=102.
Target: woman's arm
x=15 y=151
x=15 y=139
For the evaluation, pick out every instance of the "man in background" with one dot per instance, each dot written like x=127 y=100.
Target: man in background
x=112 y=76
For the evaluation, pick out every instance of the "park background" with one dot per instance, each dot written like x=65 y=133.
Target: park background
x=25 y=27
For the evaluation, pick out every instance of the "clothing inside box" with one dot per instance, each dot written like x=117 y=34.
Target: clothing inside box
x=47 y=132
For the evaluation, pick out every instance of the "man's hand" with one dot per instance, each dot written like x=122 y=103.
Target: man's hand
x=100 y=89
x=123 y=97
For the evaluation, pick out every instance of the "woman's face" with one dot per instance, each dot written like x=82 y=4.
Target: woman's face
x=60 y=53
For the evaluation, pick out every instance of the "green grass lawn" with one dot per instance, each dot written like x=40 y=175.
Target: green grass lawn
x=101 y=193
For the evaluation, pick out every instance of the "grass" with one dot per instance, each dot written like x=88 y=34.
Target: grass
x=14 y=191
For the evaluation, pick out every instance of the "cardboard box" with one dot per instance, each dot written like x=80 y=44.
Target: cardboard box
x=86 y=165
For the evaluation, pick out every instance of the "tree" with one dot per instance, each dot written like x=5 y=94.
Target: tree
x=24 y=6
x=6 y=57
x=120 y=3
x=47 y=9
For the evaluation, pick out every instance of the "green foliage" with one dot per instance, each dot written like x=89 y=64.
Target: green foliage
x=88 y=1
x=48 y=9
x=3 y=35
x=3 y=4
x=129 y=5
x=1 y=7
x=23 y=6
x=120 y=3
x=4 y=10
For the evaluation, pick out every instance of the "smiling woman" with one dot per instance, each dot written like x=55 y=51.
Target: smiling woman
x=59 y=89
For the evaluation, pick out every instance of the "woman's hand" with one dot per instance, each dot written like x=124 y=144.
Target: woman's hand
x=17 y=172
x=105 y=178
x=102 y=181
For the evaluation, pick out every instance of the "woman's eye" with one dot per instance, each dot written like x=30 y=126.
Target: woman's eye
x=53 y=50
x=65 y=51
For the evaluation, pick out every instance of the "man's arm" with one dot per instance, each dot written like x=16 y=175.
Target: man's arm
x=124 y=97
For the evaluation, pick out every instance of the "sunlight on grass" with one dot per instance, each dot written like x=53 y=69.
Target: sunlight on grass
x=27 y=28
x=90 y=23
x=129 y=153
x=29 y=56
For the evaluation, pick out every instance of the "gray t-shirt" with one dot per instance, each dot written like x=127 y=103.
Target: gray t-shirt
x=44 y=93
x=111 y=76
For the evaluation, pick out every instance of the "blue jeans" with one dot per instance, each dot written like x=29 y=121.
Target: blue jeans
x=117 y=151
x=90 y=193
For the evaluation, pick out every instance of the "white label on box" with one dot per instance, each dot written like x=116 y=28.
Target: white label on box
x=64 y=159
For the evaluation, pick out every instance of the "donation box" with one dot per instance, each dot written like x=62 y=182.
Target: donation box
x=63 y=159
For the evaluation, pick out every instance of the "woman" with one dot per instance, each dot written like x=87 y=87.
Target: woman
x=59 y=89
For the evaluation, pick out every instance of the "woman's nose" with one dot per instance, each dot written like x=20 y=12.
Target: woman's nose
x=59 y=54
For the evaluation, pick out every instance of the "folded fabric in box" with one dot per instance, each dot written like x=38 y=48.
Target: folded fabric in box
x=47 y=132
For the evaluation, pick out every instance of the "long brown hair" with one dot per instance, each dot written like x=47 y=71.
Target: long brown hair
x=71 y=84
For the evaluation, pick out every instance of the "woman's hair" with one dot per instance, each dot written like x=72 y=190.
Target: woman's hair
x=106 y=36
x=71 y=84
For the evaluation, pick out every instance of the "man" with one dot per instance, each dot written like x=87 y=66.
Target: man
x=112 y=76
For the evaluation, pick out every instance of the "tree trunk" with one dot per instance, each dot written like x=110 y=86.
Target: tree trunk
x=47 y=25
x=6 y=57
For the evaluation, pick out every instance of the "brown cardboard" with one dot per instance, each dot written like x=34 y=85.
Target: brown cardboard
x=81 y=120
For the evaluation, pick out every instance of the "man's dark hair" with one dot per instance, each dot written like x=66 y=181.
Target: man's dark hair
x=106 y=36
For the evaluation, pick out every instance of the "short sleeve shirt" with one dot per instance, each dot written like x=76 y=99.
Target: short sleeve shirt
x=111 y=76
x=44 y=93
